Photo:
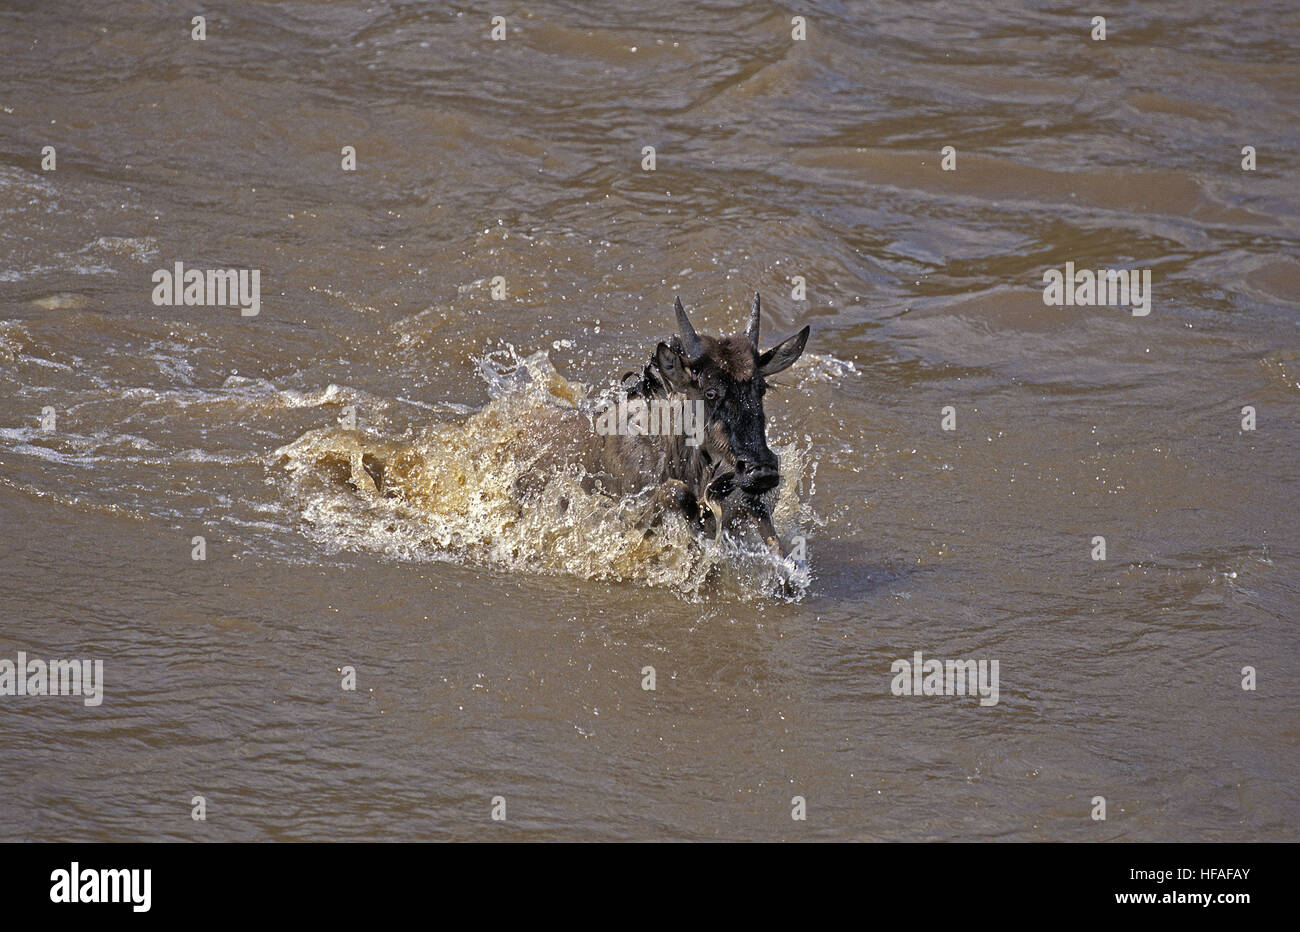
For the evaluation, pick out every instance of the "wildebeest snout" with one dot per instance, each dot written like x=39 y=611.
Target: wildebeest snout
x=757 y=473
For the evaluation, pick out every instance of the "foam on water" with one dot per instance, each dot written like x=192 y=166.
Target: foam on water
x=453 y=492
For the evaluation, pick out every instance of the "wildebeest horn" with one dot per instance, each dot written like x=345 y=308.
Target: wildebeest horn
x=690 y=342
x=751 y=330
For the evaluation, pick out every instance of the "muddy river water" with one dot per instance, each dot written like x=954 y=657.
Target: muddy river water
x=957 y=455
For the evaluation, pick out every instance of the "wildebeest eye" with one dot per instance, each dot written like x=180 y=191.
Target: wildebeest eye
x=711 y=394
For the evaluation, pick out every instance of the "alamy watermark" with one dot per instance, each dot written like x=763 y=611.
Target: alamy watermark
x=37 y=677
x=89 y=885
x=920 y=677
x=658 y=417
x=179 y=286
x=1102 y=288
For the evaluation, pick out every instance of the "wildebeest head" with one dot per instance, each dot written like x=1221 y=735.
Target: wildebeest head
x=729 y=376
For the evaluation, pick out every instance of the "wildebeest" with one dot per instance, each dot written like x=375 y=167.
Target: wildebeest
x=721 y=482
x=717 y=471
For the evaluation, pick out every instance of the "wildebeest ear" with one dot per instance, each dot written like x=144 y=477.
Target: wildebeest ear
x=673 y=366
x=783 y=355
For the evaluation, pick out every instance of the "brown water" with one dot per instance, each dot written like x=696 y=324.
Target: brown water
x=499 y=646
